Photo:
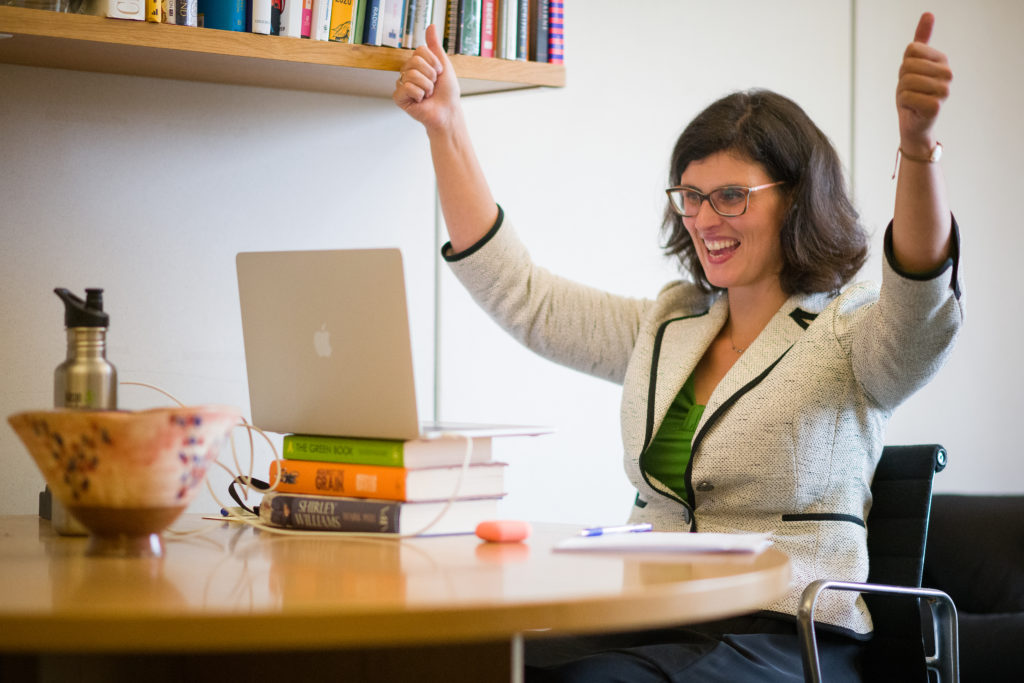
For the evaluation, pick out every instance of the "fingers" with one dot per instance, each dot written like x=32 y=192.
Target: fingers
x=924 y=28
x=418 y=76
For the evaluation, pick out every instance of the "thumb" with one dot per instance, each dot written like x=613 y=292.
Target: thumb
x=434 y=43
x=924 y=28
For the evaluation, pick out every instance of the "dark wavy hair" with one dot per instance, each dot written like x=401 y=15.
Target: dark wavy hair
x=823 y=242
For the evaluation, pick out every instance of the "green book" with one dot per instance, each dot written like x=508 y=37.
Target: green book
x=414 y=454
x=358 y=19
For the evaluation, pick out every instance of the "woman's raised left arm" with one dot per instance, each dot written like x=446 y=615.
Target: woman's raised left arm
x=921 y=221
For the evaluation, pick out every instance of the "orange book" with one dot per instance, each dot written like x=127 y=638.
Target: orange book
x=388 y=483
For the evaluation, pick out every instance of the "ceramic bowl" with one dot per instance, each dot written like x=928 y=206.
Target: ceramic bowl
x=125 y=475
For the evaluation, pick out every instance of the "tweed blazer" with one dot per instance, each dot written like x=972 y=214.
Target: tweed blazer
x=789 y=438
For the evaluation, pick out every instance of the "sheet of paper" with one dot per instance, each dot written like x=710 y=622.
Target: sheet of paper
x=668 y=542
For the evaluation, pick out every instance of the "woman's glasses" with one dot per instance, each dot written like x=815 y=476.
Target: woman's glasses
x=728 y=201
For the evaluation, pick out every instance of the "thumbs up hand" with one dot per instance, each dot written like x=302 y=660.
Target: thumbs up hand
x=427 y=88
x=922 y=88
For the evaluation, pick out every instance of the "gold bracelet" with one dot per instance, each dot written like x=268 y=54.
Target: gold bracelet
x=932 y=157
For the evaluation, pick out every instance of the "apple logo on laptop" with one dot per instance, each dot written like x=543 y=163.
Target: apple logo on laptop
x=322 y=342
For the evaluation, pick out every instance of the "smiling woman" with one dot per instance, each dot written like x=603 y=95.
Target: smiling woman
x=757 y=388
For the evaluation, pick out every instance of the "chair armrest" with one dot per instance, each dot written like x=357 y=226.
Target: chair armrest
x=945 y=661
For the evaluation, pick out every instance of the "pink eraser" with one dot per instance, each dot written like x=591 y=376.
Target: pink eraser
x=503 y=530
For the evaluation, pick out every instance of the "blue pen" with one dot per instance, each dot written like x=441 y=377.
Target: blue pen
x=624 y=529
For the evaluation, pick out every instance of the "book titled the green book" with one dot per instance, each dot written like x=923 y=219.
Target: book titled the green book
x=418 y=453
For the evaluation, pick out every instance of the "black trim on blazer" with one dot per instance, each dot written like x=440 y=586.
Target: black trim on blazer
x=446 y=250
x=953 y=261
x=824 y=517
x=655 y=355
x=649 y=427
x=802 y=317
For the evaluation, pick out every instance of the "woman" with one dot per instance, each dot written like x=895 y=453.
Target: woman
x=756 y=395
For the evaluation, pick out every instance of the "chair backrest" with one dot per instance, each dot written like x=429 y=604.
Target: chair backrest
x=897 y=531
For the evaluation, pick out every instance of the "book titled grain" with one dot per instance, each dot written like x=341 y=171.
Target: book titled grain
x=388 y=483
x=334 y=513
x=440 y=452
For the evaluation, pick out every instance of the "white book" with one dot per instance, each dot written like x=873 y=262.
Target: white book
x=507 y=33
x=291 y=19
x=261 y=16
x=393 y=24
x=321 y=20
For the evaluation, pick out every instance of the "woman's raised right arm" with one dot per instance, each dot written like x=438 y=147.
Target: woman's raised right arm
x=429 y=92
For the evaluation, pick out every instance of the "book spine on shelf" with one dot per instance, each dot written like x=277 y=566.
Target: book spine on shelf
x=408 y=20
x=539 y=30
x=508 y=19
x=261 y=16
x=469 y=28
x=321 y=28
x=556 y=31
x=341 y=21
x=291 y=19
x=451 y=26
x=276 y=10
x=319 y=513
x=487 y=22
x=394 y=28
x=307 y=19
x=523 y=31
x=355 y=36
x=373 y=22
x=170 y=11
x=225 y=15
x=185 y=12
x=154 y=11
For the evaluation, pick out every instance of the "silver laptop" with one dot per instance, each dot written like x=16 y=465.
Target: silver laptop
x=328 y=349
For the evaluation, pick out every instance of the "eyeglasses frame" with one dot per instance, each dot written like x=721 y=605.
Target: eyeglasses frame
x=707 y=197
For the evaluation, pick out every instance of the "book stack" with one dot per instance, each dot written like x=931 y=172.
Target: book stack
x=507 y=29
x=375 y=485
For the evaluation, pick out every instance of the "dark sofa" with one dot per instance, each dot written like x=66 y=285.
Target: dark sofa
x=975 y=553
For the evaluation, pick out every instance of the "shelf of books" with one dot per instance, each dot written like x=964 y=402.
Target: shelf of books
x=82 y=42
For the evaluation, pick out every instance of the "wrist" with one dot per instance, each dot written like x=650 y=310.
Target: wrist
x=918 y=147
x=930 y=156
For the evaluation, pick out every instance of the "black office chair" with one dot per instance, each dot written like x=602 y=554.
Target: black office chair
x=897 y=531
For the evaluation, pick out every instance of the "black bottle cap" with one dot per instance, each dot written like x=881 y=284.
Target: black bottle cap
x=88 y=313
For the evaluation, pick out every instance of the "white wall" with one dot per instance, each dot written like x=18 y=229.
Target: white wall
x=149 y=187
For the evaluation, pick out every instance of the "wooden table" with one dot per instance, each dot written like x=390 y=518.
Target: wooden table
x=236 y=603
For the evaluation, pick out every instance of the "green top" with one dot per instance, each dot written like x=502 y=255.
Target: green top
x=668 y=456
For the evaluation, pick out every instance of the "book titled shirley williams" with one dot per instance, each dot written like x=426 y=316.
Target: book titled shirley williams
x=417 y=453
x=334 y=513
x=388 y=483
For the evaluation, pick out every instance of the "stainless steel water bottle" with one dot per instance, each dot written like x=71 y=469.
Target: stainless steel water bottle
x=86 y=379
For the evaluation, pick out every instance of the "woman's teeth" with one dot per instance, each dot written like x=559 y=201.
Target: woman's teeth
x=720 y=245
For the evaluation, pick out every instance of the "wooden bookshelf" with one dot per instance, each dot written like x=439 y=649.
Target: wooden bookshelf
x=81 y=42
